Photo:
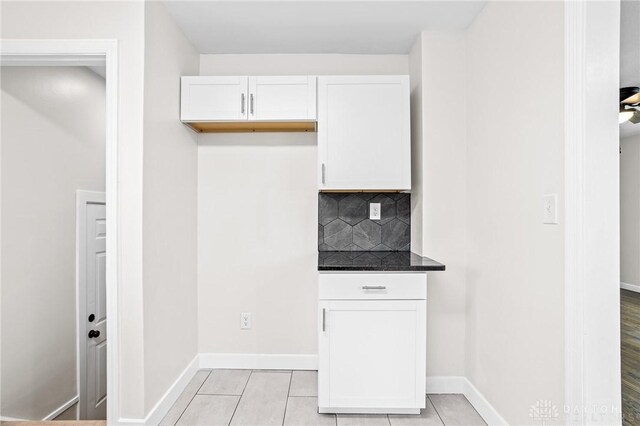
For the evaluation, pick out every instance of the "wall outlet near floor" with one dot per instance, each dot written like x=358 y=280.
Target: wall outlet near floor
x=550 y=209
x=245 y=320
x=374 y=211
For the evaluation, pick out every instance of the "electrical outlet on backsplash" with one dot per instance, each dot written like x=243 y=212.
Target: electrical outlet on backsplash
x=344 y=224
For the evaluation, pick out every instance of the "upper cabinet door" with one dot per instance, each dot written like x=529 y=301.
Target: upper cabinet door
x=214 y=98
x=282 y=98
x=364 y=134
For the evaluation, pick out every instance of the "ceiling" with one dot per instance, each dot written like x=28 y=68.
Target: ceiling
x=330 y=26
x=629 y=54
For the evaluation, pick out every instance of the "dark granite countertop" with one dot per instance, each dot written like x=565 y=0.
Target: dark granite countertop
x=398 y=261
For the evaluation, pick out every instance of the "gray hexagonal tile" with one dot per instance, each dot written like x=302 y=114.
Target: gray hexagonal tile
x=336 y=195
x=338 y=234
x=367 y=234
x=367 y=195
x=395 y=234
x=327 y=209
x=403 y=206
x=387 y=208
x=395 y=195
x=352 y=209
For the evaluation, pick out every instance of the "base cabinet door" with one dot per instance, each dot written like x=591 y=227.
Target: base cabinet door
x=372 y=355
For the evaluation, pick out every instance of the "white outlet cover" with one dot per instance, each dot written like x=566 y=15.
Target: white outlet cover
x=374 y=211
x=245 y=320
x=550 y=209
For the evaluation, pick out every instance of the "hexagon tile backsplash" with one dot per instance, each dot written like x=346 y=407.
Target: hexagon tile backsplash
x=344 y=224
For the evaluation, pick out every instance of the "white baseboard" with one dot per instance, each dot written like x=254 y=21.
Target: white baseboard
x=630 y=287
x=169 y=398
x=61 y=409
x=259 y=361
x=460 y=384
x=445 y=384
x=11 y=419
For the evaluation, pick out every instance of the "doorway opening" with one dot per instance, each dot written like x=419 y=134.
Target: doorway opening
x=629 y=212
x=58 y=230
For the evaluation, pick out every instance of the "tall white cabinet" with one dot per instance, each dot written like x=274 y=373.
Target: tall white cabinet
x=364 y=133
x=372 y=342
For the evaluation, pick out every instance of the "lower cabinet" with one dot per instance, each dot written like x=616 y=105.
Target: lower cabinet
x=372 y=347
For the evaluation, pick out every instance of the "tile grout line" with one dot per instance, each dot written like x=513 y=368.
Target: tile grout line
x=241 y=395
x=286 y=402
x=194 y=395
x=436 y=410
x=220 y=394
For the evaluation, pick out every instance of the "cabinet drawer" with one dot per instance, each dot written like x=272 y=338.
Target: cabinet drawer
x=411 y=286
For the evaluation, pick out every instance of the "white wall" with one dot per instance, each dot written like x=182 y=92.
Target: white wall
x=257 y=218
x=630 y=210
x=515 y=154
x=417 y=140
x=443 y=193
x=53 y=143
x=123 y=21
x=170 y=188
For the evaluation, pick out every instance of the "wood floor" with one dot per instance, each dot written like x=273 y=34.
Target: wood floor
x=630 y=353
x=265 y=397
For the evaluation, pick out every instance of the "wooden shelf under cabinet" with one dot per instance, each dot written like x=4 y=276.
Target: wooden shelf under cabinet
x=252 y=126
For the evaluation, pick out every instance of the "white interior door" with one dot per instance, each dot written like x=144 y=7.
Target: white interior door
x=92 y=226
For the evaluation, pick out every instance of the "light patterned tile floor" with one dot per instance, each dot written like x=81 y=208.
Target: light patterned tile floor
x=286 y=398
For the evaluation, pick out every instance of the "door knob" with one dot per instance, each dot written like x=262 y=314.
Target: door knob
x=94 y=334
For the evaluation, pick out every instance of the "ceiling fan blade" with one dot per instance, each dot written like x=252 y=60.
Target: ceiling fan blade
x=632 y=100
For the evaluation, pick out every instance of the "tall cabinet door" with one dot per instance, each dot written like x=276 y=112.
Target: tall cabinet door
x=282 y=98
x=206 y=98
x=372 y=354
x=364 y=134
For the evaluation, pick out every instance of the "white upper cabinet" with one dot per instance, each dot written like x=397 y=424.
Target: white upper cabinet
x=214 y=98
x=282 y=98
x=242 y=98
x=364 y=134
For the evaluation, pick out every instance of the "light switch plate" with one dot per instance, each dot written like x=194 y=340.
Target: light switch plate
x=374 y=211
x=550 y=209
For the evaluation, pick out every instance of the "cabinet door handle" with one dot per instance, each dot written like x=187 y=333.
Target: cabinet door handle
x=251 y=103
x=242 y=98
x=323 y=319
x=374 y=287
x=323 y=173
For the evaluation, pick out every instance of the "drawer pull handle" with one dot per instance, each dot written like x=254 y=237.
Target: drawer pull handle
x=323 y=319
x=374 y=287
